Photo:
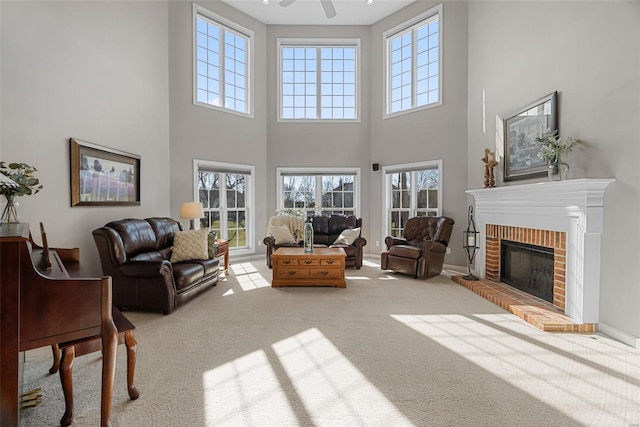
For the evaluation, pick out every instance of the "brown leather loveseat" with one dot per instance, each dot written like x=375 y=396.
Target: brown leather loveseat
x=136 y=253
x=421 y=252
x=326 y=229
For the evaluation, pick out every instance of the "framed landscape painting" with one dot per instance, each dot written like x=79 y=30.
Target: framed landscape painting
x=102 y=176
x=521 y=129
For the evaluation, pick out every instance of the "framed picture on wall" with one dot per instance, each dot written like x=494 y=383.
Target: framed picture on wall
x=103 y=176
x=521 y=129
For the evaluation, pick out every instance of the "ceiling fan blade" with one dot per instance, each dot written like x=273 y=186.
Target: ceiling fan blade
x=329 y=10
x=285 y=3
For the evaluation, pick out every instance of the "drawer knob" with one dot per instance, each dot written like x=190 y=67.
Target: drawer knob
x=307 y=261
x=291 y=273
x=324 y=273
x=330 y=261
x=286 y=261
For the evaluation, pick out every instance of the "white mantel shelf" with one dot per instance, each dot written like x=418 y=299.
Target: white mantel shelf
x=583 y=192
x=574 y=206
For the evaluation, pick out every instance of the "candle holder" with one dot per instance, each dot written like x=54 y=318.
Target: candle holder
x=470 y=243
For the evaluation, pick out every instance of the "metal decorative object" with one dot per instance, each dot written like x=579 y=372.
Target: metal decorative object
x=470 y=243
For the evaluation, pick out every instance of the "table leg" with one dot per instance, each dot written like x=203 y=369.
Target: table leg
x=66 y=378
x=109 y=347
x=132 y=347
x=56 y=359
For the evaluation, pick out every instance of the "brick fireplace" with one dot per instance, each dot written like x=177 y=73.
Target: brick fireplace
x=564 y=215
x=555 y=240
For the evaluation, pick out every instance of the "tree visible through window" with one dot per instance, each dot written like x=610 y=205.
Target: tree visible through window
x=319 y=193
x=224 y=196
x=414 y=191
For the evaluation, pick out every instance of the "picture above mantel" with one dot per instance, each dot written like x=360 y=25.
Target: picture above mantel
x=521 y=129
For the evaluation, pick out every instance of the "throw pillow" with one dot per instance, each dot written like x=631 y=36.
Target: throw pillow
x=189 y=245
x=348 y=236
x=282 y=234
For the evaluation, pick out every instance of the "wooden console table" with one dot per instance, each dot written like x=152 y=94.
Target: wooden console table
x=295 y=267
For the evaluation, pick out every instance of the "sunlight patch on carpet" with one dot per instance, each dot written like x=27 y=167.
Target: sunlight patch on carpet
x=567 y=381
x=248 y=277
x=333 y=391
x=245 y=392
x=357 y=277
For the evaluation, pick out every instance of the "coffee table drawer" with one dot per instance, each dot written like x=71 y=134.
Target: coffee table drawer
x=325 y=273
x=292 y=273
x=286 y=261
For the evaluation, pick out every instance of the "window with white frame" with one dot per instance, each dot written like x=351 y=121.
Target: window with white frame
x=221 y=53
x=319 y=191
x=411 y=190
x=225 y=193
x=413 y=65
x=318 y=79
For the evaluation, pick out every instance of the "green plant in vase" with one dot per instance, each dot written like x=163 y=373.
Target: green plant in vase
x=552 y=147
x=21 y=181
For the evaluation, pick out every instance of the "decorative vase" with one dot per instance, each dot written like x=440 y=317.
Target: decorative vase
x=558 y=170
x=308 y=236
x=10 y=211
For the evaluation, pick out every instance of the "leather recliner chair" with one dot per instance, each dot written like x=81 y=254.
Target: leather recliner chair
x=421 y=251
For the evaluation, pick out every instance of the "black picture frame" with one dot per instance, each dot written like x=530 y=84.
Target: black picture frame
x=521 y=129
x=102 y=176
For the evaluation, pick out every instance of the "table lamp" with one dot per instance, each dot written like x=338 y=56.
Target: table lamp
x=191 y=211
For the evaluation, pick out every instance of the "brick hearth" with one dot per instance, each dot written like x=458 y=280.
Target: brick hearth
x=541 y=314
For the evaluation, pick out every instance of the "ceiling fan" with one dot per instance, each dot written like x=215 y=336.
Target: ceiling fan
x=327 y=5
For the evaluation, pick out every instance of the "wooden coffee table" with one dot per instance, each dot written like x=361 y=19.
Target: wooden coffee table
x=295 y=267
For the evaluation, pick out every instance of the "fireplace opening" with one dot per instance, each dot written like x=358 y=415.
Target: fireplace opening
x=528 y=268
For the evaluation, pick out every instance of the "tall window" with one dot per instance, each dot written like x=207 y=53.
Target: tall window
x=412 y=190
x=225 y=193
x=413 y=63
x=318 y=79
x=222 y=50
x=319 y=192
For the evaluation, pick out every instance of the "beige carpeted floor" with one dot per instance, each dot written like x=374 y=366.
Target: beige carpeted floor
x=387 y=350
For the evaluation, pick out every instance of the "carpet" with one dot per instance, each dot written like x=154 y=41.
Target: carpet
x=388 y=350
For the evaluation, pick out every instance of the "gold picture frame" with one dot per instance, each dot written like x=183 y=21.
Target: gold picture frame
x=102 y=176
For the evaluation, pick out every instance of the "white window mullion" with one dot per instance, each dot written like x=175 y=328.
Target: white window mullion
x=222 y=67
x=414 y=68
x=318 y=83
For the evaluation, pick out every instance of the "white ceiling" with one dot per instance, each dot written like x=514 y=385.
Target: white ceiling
x=310 y=12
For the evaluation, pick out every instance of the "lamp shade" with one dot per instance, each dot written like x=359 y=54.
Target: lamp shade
x=191 y=210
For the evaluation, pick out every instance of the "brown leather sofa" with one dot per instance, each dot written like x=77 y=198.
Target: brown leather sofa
x=421 y=252
x=326 y=229
x=136 y=254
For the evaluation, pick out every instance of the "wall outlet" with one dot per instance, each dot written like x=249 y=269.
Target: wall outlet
x=260 y=243
x=448 y=250
x=377 y=242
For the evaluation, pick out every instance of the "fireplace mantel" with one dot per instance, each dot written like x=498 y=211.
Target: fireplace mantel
x=573 y=206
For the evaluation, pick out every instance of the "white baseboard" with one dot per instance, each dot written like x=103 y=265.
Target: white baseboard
x=619 y=335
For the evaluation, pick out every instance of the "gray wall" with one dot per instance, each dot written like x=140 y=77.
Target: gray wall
x=96 y=71
x=437 y=133
x=206 y=134
x=589 y=53
x=318 y=144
